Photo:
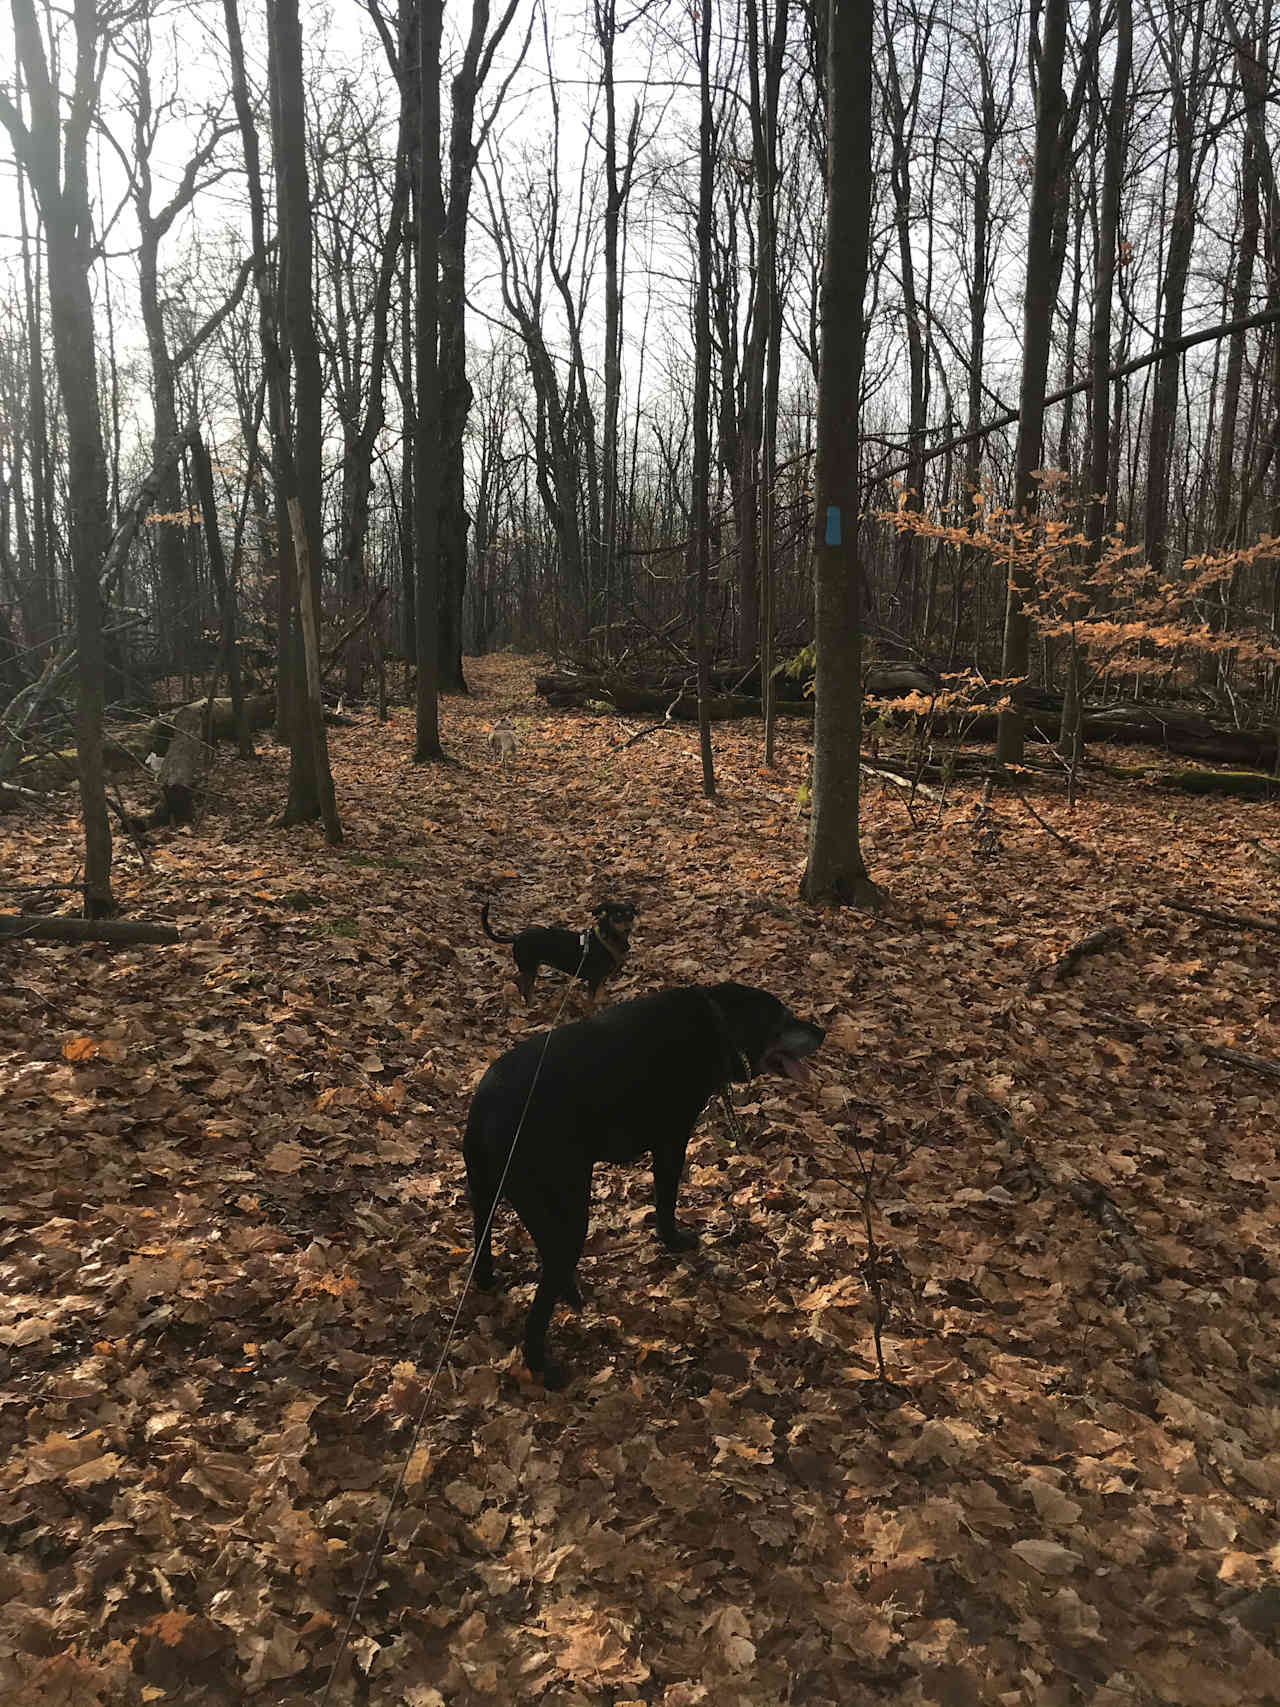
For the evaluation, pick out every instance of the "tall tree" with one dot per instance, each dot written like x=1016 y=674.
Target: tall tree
x=40 y=607
x=1104 y=272
x=1038 y=302
x=617 y=190
x=764 y=44
x=52 y=151
x=310 y=780
x=701 y=518
x=175 y=618
x=902 y=96
x=993 y=100
x=426 y=427
x=455 y=391
x=836 y=873
x=358 y=329
x=1182 y=35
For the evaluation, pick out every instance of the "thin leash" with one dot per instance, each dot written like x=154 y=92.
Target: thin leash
x=738 y=1057
x=375 y=1552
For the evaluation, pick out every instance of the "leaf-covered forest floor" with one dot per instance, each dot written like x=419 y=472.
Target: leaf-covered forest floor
x=233 y=1236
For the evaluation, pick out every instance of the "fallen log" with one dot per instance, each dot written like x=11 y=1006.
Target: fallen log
x=1178 y=729
x=36 y=927
x=582 y=693
x=180 y=772
x=260 y=709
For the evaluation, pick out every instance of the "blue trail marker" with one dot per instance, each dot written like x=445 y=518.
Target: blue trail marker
x=833 y=524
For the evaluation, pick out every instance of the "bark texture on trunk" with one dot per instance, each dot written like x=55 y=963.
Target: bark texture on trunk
x=52 y=151
x=1037 y=326
x=836 y=874
x=426 y=471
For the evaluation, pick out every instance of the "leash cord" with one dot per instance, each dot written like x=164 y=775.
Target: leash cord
x=375 y=1552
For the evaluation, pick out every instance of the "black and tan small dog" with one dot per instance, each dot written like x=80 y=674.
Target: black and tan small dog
x=591 y=955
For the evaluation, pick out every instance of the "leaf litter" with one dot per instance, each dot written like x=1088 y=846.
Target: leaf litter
x=234 y=1232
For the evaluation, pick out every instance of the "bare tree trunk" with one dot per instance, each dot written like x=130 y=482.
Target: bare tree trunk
x=1071 y=733
x=773 y=367
x=1187 y=88
x=1037 y=327
x=993 y=117
x=455 y=388
x=902 y=105
x=53 y=154
x=617 y=189
x=836 y=874
x=40 y=612
x=702 y=398
x=408 y=507
x=177 y=620
x=426 y=472
x=364 y=436
x=310 y=780
x=1241 y=295
x=226 y=594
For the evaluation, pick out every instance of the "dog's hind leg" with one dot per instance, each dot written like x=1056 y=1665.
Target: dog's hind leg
x=556 y=1218
x=482 y=1188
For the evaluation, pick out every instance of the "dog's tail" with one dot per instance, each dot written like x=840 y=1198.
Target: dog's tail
x=488 y=928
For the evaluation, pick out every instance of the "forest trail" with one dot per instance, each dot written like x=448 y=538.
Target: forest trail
x=233 y=1234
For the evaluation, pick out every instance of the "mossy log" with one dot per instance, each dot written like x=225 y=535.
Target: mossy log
x=1247 y=785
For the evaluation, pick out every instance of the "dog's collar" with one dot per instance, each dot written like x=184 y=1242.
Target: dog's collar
x=615 y=954
x=736 y=1054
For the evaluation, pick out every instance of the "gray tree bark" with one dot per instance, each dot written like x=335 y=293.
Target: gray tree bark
x=1037 y=327
x=53 y=154
x=836 y=874
x=426 y=430
x=310 y=780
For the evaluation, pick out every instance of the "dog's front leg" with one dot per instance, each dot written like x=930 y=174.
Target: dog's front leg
x=668 y=1165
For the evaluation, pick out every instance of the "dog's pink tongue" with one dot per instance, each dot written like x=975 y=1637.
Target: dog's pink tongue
x=795 y=1068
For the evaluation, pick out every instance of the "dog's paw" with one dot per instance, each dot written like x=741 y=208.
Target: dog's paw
x=485 y=1279
x=552 y=1376
x=679 y=1239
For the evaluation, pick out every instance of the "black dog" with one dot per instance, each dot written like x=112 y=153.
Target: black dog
x=607 y=1089
x=590 y=955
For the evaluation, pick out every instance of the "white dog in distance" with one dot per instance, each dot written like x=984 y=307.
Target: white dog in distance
x=503 y=744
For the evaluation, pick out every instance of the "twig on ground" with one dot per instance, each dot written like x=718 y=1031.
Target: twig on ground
x=1066 y=963
x=1007 y=776
x=1092 y=1197
x=1216 y=915
x=871 y=1266
x=1263 y=1065
x=653 y=729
